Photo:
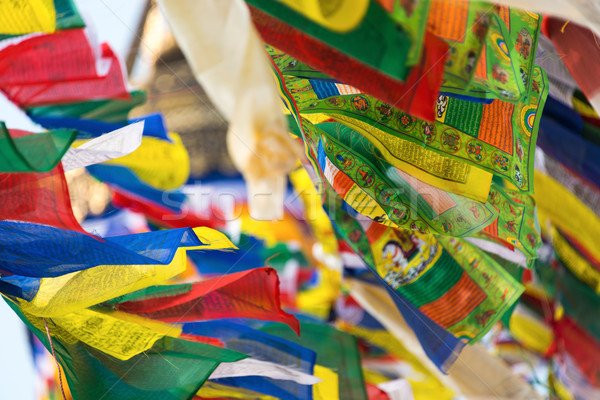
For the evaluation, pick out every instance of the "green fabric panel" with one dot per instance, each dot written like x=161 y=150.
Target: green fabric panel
x=280 y=254
x=516 y=271
x=335 y=350
x=464 y=116
x=173 y=369
x=363 y=152
x=115 y=111
x=434 y=283
x=376 y=41
x=579 y=300
x=67 y=16
x=412 y=17
x=33 y=153
x=504 y=145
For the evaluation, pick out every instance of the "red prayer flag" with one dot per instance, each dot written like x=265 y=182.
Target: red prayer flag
x=57 y=57
x=111 y=85
x=580 y=51
x=416 y=96
x=583 y=348
x=248 y=294
x=42 y=198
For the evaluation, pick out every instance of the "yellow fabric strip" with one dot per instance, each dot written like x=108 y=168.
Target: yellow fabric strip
x=316 y=216
x=561 y=390
x=78 y=290
x=328 y=388
x=317 y=301
x=583 y=108
x=22 y=17
x=564 y=210
x=426 y=165
x=158 y=163
x=340 y=16
x=118 y=334
x=212 y=239
x=533 y=334
x=211 y=390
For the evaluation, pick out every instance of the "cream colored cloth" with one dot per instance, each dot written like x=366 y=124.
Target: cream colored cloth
x=228 y=59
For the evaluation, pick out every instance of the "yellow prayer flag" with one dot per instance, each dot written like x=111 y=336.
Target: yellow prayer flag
x=558 y=205
x=211 y=390
x=78 y=290
x=118 y=334
x=158 y=163
x=328 y=388
x=22 y=17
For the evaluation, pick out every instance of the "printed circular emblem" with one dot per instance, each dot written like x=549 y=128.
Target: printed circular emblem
x=360 y=104
x=514 y=241
x=511 y=226
x=328 y=146
x=336 y=101
x=344 y=160
x=512 y=210
x=400 y=213
x=405 y=122
x=473 y=260
x=501 y=44
x=365 y=176
x=500 y=162
x=451 y=57
x=384 y=112
x=475 y=210
x=384 y=194
x=494 y=198
x=528 y=119
x=462 y=221
x=450 y=141
x=475 y=150
x=419 y=226
x=447 y=225
x=427 y=131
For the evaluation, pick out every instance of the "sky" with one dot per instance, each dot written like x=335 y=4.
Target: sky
x=114 y=21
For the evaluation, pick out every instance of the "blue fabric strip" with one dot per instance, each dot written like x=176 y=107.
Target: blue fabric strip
x=154 y=125
x=36 y=250
x=324 y=89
